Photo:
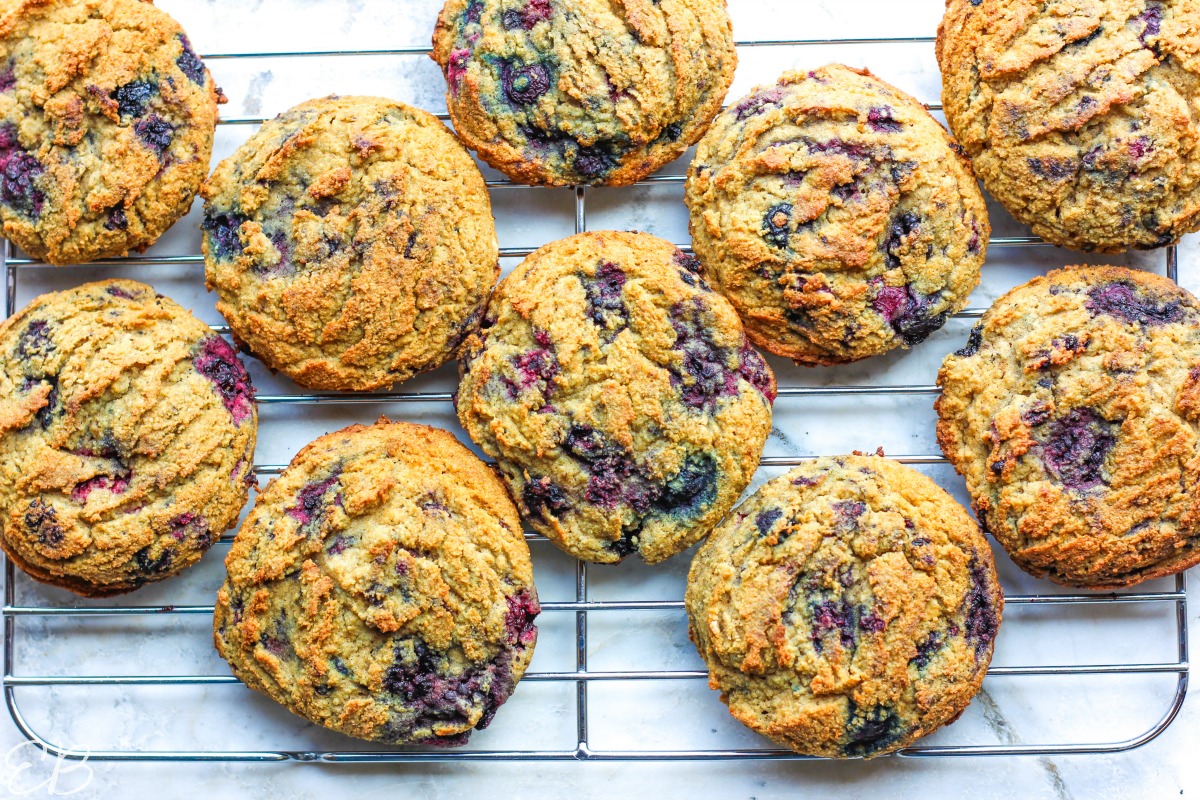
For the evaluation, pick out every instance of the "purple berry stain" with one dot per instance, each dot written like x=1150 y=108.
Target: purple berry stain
x=1123 y=301
x=456 y=68
x=188 y=524
x=1151 y=20
x=8 y=78
x=310 y=501
x=217 y=361
x=758 y=103
x=881 y=120
x=927 y=648
x=118 y=484
x=1076 y=447
x=765 y=520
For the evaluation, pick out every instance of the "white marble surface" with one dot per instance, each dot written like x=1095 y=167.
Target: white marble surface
x=662 y=715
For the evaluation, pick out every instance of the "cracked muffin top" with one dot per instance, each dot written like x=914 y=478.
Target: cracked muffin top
x=1073 y=413
x=838 y=216
x=382 y=587
x=625 y=408
x=106 y=126
x=847 y=608
x=1078 y=114
x=350 y=242
x=562 y=92
x=127 y=431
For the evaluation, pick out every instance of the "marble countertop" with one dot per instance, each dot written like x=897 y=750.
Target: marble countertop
x=625 y=715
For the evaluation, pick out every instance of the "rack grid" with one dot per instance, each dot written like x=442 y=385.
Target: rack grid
x=1172 y=601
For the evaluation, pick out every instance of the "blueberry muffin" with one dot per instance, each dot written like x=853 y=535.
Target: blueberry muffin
x=351 y=242
x=618 y=394
x=127 y=435
x=382 y=587
x=1078 y=115
x=561 y=92
x=1073 y=413
x=106 y=126
x=838 y=217
x=846 y=609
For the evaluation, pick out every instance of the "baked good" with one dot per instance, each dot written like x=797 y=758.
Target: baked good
x=618 y=395
x=847 y=608
x=381 y=587
x=351 y=242
x=837 y=216
x=127 y=432
x=1078 y=115
x=561 y=92
x=106 y=126
x=1073 y=415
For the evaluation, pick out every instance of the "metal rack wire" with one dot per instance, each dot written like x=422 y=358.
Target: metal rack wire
x=1172 y=602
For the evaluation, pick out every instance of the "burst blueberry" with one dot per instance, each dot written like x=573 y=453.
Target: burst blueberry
x=692 y=489
x=35 y=340
x=974 y=342
x=542 y=495
x=776 y=224
x=982 y=623
x=42 y=521
x=311 y=502
x=595 y=161
x=871 y=731
x=217 y=361
x=524 y=85
x=765 y=520
x=881 y=120
x=19 y=188
x=189 y=63
x=606 y=304
x=1076 y=447
x=133 y=97
x=155 y=132
x=899 y=232
x=222 y=230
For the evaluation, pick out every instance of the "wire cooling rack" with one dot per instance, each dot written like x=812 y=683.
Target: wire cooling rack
x=1170 y=603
